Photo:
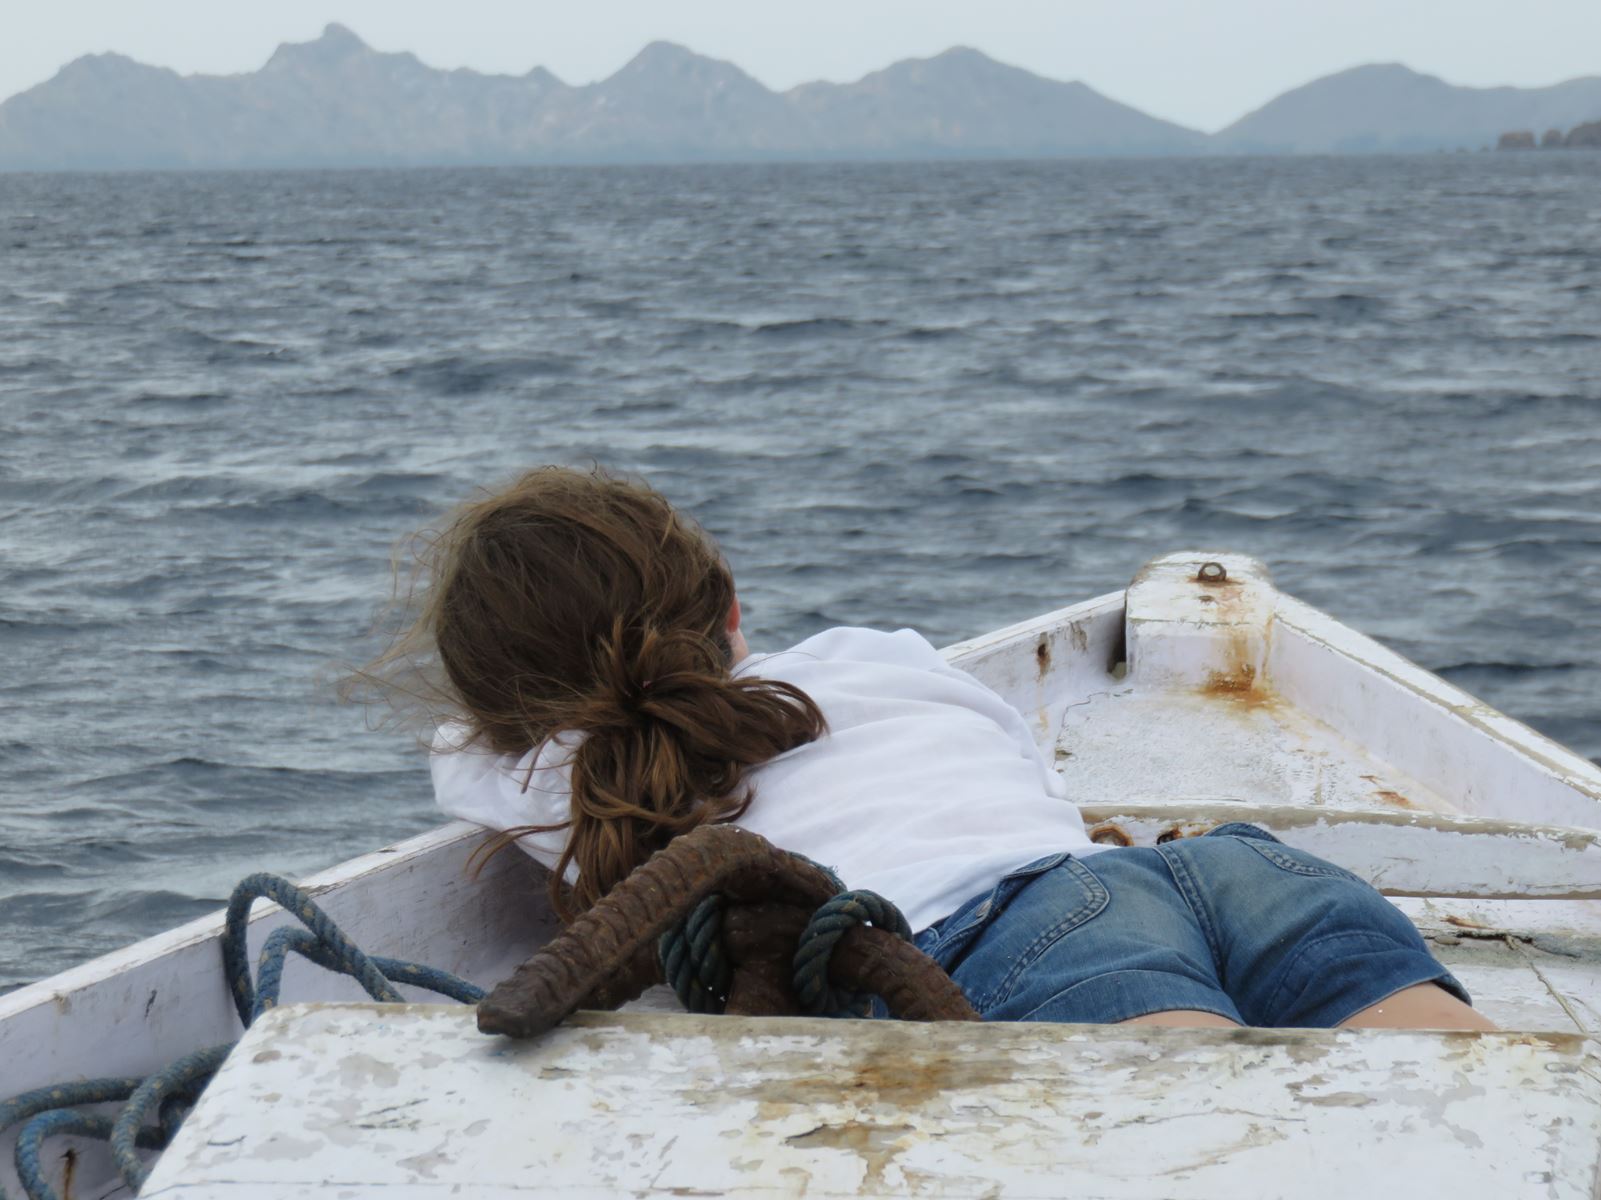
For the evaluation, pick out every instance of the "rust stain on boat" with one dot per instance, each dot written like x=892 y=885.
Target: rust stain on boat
x=1235 y=682
x=1110 y=833
x=902 y=1077
x=1394 y=798
x=1241 y=634
x=1239 y=686
x=1042 y=656
x=908 y=1082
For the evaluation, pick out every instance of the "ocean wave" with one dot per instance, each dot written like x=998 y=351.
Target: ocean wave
x=1453 y=670
x=816 y=327
x=465 y=375
x=1000 y=406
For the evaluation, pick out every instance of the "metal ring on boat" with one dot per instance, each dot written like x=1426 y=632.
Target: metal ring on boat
x=1212 y=572
x=1108 y=834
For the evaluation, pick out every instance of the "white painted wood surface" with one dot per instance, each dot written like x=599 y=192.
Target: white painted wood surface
x=1400 y=852
x=412 y=1103
x=1256 y=696
x=1480 y=760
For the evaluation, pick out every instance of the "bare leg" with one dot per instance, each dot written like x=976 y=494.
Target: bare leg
x=1182 y=1016
x=1423 y=1006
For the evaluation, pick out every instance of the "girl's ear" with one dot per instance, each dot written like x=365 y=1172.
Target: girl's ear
x=738 y=650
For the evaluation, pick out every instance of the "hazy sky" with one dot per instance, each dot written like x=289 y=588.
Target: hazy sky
x=1203 y=63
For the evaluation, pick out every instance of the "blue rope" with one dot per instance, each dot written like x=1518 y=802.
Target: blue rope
x=63 y=1122
x=44 y=1102
x=171 y=1115
x=64 y=1095
x=280 y=942
x=167 y=1093
x=297 y=903
x=188 y=1076
x=828 y=925
x=692 y=956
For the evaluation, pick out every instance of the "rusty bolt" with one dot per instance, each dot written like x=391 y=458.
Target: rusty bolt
x=1109 y=834
x=1212 y=572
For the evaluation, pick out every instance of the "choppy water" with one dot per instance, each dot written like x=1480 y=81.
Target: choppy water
x=946 y=396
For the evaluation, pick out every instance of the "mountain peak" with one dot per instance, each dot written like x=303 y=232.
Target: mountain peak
x=108 y=61
x=962 y=55
x=960 y=66
x=336 y=44
x=342 y=37
x=1392 y=70
x=667 y=65
x=111 y=66
x=661 y=54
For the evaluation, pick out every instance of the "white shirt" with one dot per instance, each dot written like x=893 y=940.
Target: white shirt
x=927 y=787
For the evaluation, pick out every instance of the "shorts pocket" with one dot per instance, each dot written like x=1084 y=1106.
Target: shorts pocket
x=1299 y=862
x=952 y=935
x=1038 y=917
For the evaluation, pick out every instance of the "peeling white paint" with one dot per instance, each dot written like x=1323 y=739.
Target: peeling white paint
x=1408 y=853
x=648 y=1105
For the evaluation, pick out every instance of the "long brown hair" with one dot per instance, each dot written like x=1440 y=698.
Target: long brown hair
x=581 y=602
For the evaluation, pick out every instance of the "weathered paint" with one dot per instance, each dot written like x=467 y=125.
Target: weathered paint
x=1188 y=632
x=1236 y=690
x=140 y=1008
x=1423 y=728
x=1405 y=853
x=1324 y=723
x=1507 y=976
x=410 y=1102
x=1044 y=665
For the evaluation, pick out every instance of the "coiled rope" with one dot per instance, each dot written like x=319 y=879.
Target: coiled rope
x=52 y=1111
x=693 y=961
x=698 y=968
x=690 y=954
x=823 y=932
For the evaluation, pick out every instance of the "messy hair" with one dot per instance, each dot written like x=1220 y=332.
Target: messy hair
x=579 y=602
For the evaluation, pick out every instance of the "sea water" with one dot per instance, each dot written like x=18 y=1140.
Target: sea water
x=946 y=396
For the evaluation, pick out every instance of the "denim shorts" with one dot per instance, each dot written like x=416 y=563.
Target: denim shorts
x=1234 y=923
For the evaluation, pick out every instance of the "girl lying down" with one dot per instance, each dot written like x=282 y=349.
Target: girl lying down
x=603 y=700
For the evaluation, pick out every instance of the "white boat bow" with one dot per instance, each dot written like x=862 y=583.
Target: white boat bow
x=1200 y=694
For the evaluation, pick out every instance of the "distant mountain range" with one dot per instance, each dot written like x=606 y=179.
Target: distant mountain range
x=1391 y=108
x=337 y=102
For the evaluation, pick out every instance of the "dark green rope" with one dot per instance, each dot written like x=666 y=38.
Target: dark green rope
x=696 y=966
x=815 y=951
x=693 y=961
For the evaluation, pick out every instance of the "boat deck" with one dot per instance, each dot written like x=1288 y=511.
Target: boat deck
x=1265 y=710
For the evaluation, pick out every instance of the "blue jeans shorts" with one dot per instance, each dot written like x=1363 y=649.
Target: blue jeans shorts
x=1234 y=923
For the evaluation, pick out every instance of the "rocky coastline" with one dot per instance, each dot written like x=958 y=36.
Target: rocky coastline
x=1581 y=137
